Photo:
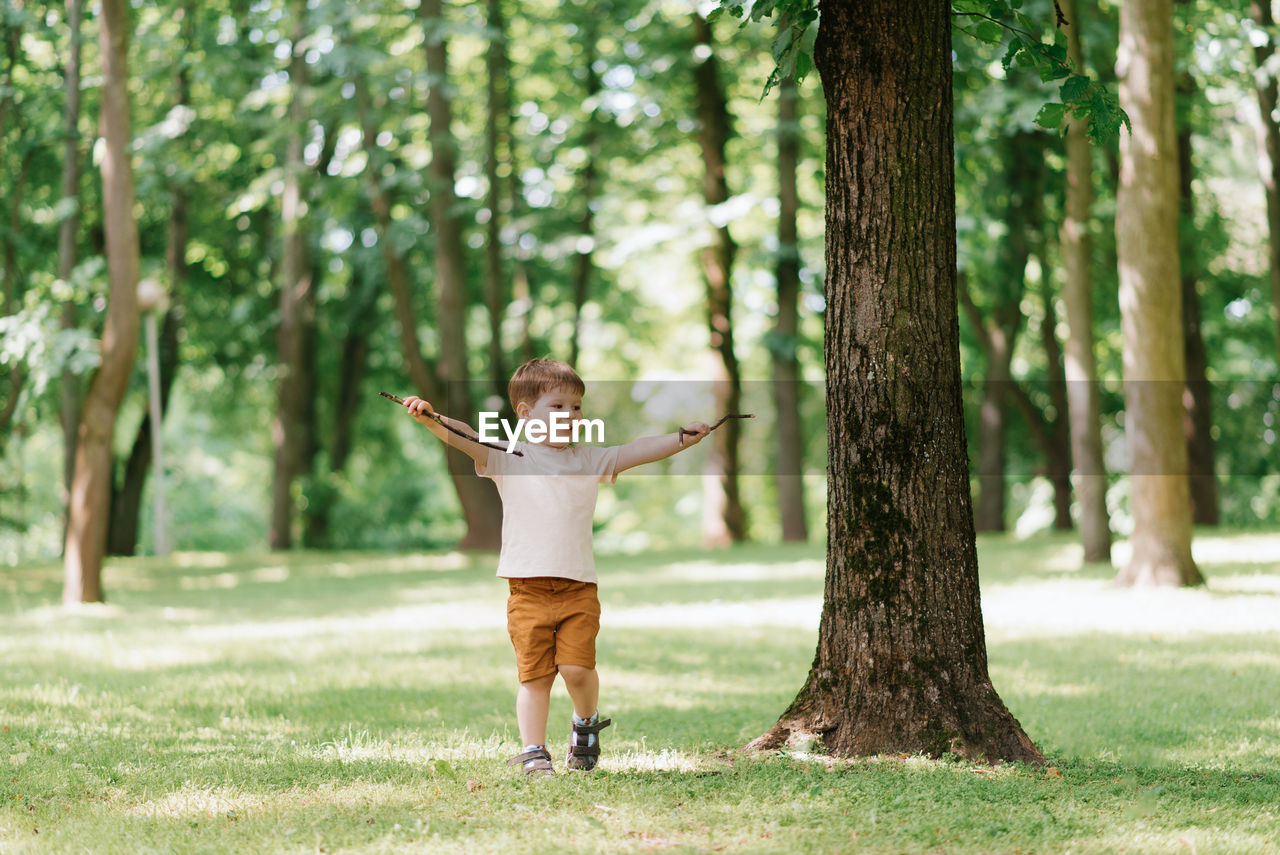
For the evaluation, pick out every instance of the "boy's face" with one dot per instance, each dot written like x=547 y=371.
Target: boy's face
x=555 y=401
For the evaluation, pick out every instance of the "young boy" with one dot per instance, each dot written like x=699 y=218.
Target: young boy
x=548 y=498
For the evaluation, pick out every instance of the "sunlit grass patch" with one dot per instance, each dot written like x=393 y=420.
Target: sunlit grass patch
x=363 y=703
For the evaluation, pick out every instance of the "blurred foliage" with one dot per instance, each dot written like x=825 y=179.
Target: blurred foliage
x=643 y=320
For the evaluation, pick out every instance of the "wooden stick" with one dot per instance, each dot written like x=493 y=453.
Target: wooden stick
x=683 y=433
x=438 y=419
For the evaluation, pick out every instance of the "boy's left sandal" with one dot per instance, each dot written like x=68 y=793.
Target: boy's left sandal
x=583 y=750
x=537 y=763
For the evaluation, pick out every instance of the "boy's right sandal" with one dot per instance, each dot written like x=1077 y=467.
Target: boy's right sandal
x=537 y=763
x=583 y=750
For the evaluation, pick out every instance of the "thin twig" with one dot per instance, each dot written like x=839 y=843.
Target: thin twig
x=683 y=433
x=440 y=421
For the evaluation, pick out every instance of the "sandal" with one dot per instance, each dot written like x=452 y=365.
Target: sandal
x=584 y=756
x=537 y=763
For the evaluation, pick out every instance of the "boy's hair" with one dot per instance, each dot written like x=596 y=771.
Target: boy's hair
x=538 y=376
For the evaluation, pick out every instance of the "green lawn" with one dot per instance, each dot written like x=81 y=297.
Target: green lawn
x=362 y=703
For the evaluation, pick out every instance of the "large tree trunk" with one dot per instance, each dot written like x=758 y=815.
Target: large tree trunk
x=723 y=517
x=91 y=486
x=67 y=233
x=481 y=507
x=1150 y=302
x=1269 y=144
x=1084 y=404
x=789 y=468
x=1198 y=397
x=291 y=428
x=901 y=663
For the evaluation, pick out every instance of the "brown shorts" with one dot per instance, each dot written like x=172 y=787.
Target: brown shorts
x=552 y=622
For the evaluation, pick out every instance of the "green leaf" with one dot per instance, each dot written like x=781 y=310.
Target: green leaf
x=990 y=32
x=804 y=64
x=1051 y=115
x=1015 y=48
x=1074 y=88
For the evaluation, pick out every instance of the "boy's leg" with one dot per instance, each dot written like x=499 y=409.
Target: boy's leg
x=533 y=701
x=584 y=688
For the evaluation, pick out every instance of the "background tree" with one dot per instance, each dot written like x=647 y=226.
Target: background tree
x=784 y=342
x=1151 y=310
x=723 y=517
x=91 y=485
x=1084 y=400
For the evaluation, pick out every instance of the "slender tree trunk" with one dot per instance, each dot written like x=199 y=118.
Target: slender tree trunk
x=786 y=328
x=1269 y=144
x=1150 y=303
x=723 y=517
x=1198 y=397
x=1022 y=156
x=583 y=268
x=1058 y=447
x=91 y=486
x=481 y=506
x=127 y=501
x=498 y=169
x=12 y=291
x=67 y=233
x=901 y=661
x=12 y=381
x=1084 y=405
x=297 y=309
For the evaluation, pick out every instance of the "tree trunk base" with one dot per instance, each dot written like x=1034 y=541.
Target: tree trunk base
x=982 y=731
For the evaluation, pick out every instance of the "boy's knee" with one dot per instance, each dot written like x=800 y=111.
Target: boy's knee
x=540 y=684
x=574 y=672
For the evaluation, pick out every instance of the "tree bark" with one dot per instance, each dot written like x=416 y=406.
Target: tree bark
x=1084 y=404
x=1150 y=302
x=91 y=486
x=67 y=233
x=291 y=427
x=1269 y=145
x=789 y=473
x=1198 y=395
x=723 y=516
x=901 y=661
x=481 y=507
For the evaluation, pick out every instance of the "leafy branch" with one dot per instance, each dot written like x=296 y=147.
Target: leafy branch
x=1081 y=97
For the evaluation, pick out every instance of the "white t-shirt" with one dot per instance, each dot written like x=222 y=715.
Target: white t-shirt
x=548 y=500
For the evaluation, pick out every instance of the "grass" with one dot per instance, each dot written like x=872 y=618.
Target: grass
x=362 y=703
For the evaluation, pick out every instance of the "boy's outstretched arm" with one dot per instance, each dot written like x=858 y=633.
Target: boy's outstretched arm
x=419 y=407
x=651 y=448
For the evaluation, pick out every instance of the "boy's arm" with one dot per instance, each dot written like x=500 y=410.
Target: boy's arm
x=418 y=408
x=651 y=448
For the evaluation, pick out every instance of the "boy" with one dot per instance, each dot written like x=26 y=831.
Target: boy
x=548 y=497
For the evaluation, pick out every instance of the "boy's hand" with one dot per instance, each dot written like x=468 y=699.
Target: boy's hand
x=419 y=408
x=692 y=434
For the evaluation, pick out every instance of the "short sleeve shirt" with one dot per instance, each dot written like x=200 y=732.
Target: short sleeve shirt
x=548 y=502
